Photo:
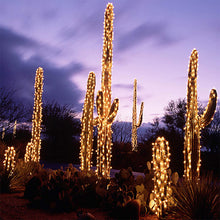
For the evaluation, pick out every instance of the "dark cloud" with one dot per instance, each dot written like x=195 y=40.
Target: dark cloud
x=19 y=73
x=145 y=31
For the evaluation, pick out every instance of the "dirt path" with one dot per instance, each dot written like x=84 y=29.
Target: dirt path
x=14 y=207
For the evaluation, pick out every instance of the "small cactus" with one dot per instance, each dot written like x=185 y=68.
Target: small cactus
x=29 y=152
x=194 y=122
x=135 y=125
x=161 y=161
x=9 y=161
x=87 y=125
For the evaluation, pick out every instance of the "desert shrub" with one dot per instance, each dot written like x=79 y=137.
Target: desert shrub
x=14 y=182
x=197 y=200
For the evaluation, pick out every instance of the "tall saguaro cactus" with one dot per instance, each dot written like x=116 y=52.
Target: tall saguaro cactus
x=87 y=125
x=106 y=110
x=194 y=122
x=135 y=125
x=161 y=161
x=37 y=117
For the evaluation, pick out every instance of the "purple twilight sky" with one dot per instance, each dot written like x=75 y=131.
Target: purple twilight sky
x=152 y=43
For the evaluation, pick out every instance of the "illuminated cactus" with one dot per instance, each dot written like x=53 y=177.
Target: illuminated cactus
x=87 y=125
x=37 y=116
x=135 y=125
x=106 y=111
x=29 y=152
x=162 y=189
x=194 y=122
x=9 y=161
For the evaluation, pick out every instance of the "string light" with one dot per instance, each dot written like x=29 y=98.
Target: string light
x=37 y=117
x=194 y=122
x=135 y=125
x=29 y=153
x=87 y=125
x=106 y=111
x=9 y=161
x=162 y=190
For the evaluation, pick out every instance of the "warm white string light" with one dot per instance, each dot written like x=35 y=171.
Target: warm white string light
x=194 y=122
x=37 y=117
x=9 y=161
x=162 y=190
x=106 y=110
x=87 y=125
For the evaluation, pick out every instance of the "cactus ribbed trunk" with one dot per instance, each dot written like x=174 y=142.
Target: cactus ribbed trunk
x=135 y=125
x=37 y=117
x=106 y=110
x=87 y=125
x=194 y=122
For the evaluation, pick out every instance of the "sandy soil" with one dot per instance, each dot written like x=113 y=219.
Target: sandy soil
x=13 y=206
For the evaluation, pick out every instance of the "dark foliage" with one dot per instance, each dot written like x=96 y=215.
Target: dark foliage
x=10 y=109
x=60 y=134
x=197 y=200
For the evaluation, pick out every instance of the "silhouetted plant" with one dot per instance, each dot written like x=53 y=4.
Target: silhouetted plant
x=197 y=200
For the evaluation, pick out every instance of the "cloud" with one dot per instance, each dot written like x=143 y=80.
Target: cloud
x=122 y=86
x=143 y=32
x=19 y=73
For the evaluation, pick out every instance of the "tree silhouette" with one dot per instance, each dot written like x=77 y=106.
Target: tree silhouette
x=60 y=142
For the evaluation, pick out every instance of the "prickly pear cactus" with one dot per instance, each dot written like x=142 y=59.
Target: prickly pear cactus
x=194 y=122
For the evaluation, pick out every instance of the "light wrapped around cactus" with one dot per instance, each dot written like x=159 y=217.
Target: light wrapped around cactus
x=162 y=189
x=194 y=122
x=37 y=116
x=135 y=125
x=9 y=161
x=87 y=125
x=29 y=152
x=106 y=110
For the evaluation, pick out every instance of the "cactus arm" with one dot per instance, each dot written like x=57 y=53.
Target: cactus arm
x=113 y=111
x=141 y=115
x=95 y=121
x=208 y=114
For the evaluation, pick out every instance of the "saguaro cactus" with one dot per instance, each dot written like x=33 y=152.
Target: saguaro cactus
x=37 y=116
x=135 y=125
x=106 y=111
x=87 y=125
x=194 y=122
x=161 y=161
x=9 y=161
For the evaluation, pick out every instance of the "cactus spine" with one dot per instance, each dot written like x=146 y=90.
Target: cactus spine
x=37 y=116
x=194 y=122
x=161 y=161
x=135 y=125
x=106 y=111
x=87 y=125
x=9 y=161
